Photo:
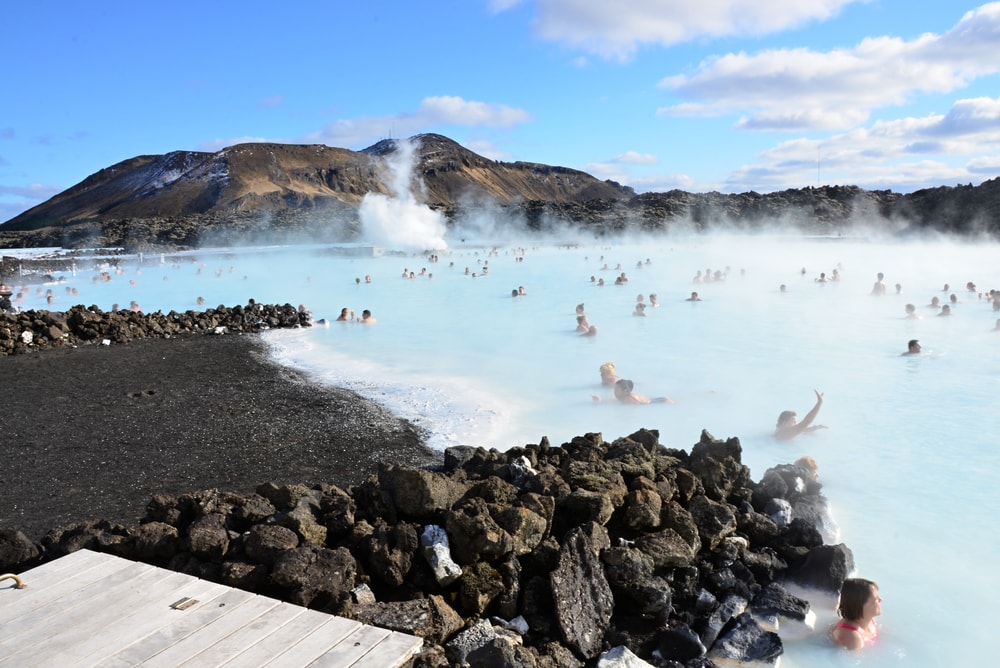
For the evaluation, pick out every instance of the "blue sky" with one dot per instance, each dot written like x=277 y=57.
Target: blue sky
x=726 y=95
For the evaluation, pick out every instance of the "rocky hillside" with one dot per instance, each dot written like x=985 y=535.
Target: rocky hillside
x=280 y=192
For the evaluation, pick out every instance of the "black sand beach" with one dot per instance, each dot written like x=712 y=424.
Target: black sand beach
x=93 y=432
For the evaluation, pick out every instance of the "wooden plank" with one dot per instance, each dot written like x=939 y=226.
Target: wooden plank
x=351 y=649
x=99 y=628
x=70 y=563
x=393 y=652
x=141 y=617
x=276 y=643
x=318 y=643
x=47 y=583
x=209 y=634
x=65 y=612
x=93 y=609
x=245 y=637
x=189 y=622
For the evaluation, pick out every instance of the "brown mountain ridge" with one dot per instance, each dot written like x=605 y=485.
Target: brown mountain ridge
x=248 y=191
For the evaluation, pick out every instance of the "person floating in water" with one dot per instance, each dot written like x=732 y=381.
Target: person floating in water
x=859 y=605
x=788 y=427
x=624 y=393
x=912 y=347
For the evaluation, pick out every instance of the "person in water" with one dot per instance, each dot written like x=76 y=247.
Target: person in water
x=912 y=347
x=788 y=427
x=624 y=393
x=609 y=376
x=859 y=605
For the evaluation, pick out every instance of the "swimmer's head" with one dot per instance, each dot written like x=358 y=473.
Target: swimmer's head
x=809 y=464
x=786 y=418
x=607 y=369
x=623 y=387
x=854 y=593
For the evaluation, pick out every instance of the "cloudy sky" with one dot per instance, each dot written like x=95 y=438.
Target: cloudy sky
x=726 y=95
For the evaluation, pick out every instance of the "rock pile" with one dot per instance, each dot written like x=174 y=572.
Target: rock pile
x=537 y=556
x=30 y=330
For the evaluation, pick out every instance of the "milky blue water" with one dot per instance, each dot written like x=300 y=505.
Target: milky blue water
x=909 y=461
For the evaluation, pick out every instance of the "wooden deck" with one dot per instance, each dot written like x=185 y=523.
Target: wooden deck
x=93 y=609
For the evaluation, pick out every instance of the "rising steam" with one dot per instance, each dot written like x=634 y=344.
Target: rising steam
x=400 y=222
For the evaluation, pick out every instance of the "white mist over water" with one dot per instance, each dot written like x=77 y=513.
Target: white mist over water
x=909 y=461
x=401 y=222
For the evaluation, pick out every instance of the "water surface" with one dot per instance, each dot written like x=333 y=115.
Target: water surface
x=908 y=461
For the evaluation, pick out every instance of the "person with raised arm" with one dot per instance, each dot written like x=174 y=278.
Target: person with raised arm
x=788 y=427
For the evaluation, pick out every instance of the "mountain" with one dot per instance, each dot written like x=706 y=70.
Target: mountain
x=253 y=192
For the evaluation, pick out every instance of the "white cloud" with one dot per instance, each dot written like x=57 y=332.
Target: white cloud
x=433 y=112
x=971 y=116
x=636 y=158
x=796 y=89
x=605 y=170
x=485 y=148
x=645 y=183
x=617 y=29
x=988 y=165
x=503 y=5
x=658 y=183
x=456 y=111
x=902 y=154
x=214 y=145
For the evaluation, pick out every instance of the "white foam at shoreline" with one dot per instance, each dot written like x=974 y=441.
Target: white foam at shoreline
x=448 y=410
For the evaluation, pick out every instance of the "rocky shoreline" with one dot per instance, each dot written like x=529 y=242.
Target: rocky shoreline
x=30 y=330
x=538 y=556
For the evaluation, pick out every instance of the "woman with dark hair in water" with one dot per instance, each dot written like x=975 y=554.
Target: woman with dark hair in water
x=788 y=427
x=859 y=605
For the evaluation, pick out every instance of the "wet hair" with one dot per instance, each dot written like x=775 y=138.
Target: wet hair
x=911 y=343
x=785 y=417
x=809 y=464
x=854 y=593
x=624 y=386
